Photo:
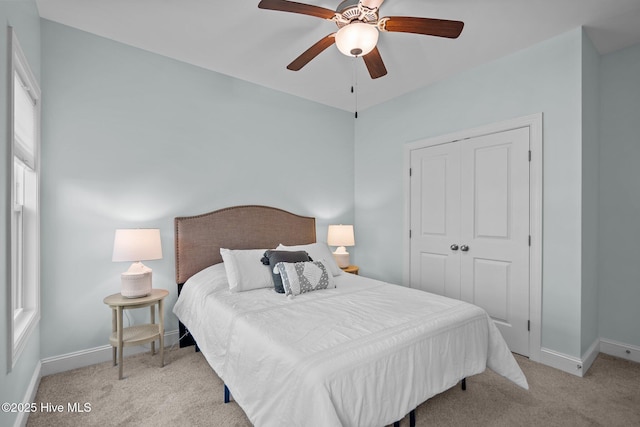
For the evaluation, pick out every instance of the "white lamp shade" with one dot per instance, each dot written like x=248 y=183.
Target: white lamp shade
x=340 y=235
x=357 y=39
x=139 y=244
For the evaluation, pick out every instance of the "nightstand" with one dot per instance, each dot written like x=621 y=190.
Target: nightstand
x=353 y=269
x=137 y=334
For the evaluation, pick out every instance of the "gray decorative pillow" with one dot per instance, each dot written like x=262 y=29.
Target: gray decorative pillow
x=271 y=258
x=301 y=277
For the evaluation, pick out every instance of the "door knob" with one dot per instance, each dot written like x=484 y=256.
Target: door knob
x=454 y=247
x=464 y=248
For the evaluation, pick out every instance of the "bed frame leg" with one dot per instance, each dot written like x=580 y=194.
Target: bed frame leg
x=464 y=383
x=412 y=420
x=227 y=394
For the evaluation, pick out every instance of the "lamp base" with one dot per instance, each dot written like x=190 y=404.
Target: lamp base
x=342 y=257
x=135 y=285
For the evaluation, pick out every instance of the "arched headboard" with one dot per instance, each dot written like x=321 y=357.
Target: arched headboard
x=198 y=238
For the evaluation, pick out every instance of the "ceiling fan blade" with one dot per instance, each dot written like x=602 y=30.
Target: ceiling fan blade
x=294 y=7
x=426 y=26
x=374 y=64
x=312 y=52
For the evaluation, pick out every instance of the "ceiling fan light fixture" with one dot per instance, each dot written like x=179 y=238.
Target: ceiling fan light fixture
x=357 y=39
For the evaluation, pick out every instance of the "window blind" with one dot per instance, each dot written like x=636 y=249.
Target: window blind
x=24 y=122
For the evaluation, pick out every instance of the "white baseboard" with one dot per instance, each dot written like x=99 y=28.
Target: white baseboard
x=590 y=355
x=91 y=356
x=564 y=362
x=579 y=367
x=30 y=395
x=618 y=349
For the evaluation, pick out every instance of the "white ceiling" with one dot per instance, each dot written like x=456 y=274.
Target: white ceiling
x=238 y=39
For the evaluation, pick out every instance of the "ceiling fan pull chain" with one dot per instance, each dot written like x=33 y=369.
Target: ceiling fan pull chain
x=353 y=91
x=354 y=86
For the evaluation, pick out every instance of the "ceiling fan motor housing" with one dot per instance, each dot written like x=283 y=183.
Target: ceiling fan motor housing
x=353 y=10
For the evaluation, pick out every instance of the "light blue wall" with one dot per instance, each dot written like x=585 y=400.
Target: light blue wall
x=545 y=78
x=23 y=17
x=590 y=179
x=620 y=196
x=133 y=139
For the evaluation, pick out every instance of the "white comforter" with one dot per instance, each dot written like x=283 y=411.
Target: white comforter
x=363 y=354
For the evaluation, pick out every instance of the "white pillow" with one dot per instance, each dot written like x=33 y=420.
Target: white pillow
x=244 y=269
x=318 y=251
x=301 y=277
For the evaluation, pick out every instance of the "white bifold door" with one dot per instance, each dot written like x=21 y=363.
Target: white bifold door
x=469 y=223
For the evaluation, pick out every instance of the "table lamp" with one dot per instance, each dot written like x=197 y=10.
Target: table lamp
x=341 y=236
x=136 y=245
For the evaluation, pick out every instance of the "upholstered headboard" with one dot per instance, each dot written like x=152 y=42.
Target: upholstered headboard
x=198 y=239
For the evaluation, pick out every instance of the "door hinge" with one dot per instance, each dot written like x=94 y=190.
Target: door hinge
x=409 y=233
x=529 y=325
x=409 y=171
x=529 y=155
x=529 y=239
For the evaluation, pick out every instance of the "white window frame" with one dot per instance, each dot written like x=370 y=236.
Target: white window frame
x=25 y=213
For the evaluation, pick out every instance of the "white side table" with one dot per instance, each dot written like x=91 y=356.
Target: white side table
x=137 y=334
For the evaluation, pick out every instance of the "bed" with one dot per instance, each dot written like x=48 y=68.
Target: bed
x=362 y=353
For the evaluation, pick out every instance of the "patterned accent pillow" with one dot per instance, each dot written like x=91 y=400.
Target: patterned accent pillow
x=271 y=258
x=318 y=251
x=301 y=277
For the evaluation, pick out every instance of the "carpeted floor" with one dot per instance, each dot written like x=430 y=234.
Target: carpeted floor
x=186 y=392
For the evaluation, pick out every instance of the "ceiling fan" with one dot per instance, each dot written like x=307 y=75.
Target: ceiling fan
x=358 y=28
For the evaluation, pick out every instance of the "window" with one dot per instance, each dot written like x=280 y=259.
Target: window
x=25 y=218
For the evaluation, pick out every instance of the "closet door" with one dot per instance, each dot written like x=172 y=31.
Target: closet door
x=435 y=219
x=470 y=226
x=494 y=235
